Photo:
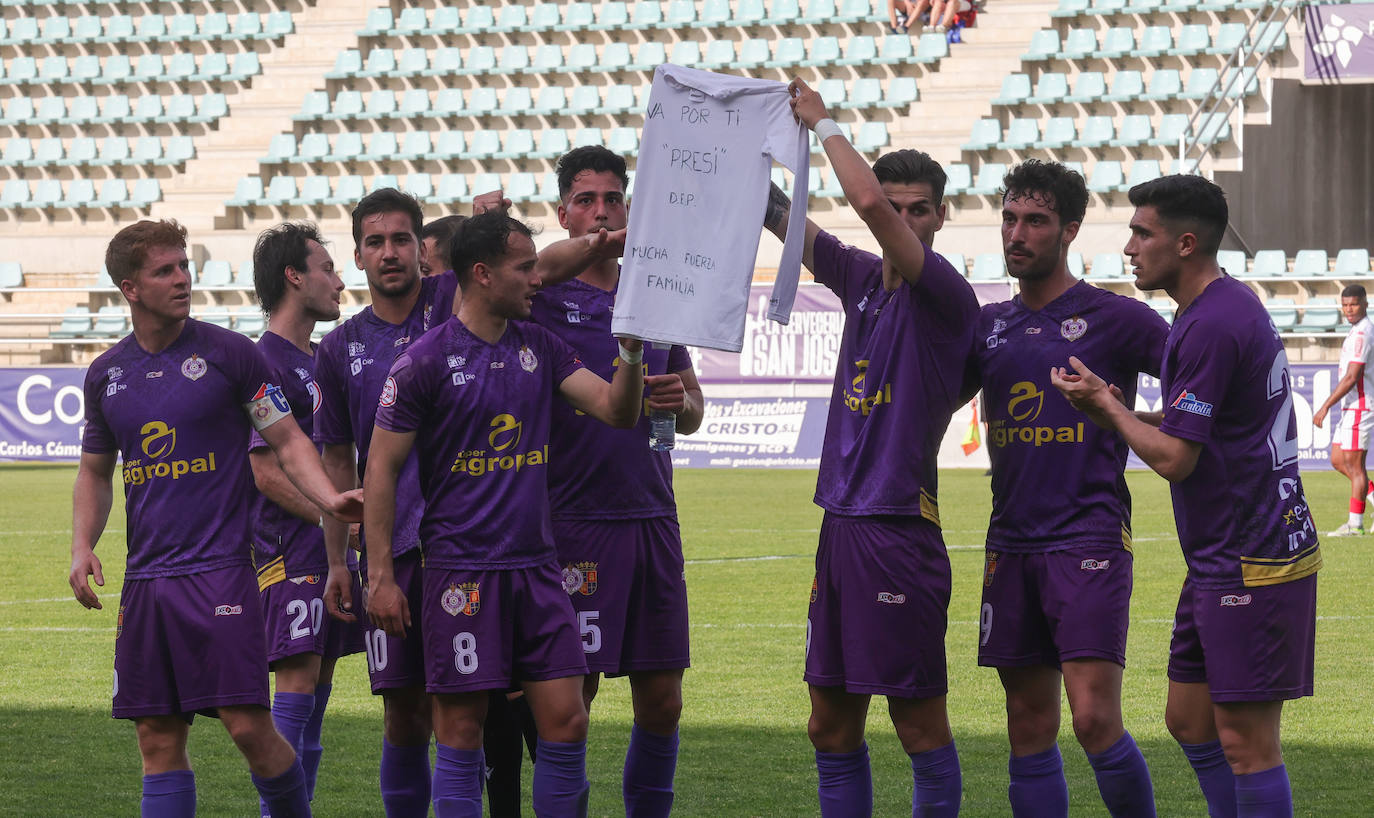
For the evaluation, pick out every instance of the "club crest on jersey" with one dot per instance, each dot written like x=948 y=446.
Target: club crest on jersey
x=1188 y=402
x=356 y=349
x=1236 y=600
x=527 y=360
x=461 y=598
x=228 y=610
x=1073 y=328
x=388 y=392
x=891 y=598
x=194 y=368
x=990 y=568
x=580 y=578
x=1094 y=565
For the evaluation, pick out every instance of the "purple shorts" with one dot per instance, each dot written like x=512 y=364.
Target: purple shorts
x=347 y=638
x=626 y=582
x=190 y=644
x=394 y=663
x=1043 y=609
x=489 y=629
x=294 y=615
x=1246 y=644
x=879 y=607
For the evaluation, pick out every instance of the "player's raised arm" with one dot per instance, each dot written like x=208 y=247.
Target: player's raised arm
x=1173 y=458
x=91 y=500
x=386 y=602
x=616 y=403
x=567 y=259
x=301 y=463
x=775 y=221
x=861 y=187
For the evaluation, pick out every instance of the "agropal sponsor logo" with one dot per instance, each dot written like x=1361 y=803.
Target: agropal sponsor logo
x=1024 y=405
x=158 y=444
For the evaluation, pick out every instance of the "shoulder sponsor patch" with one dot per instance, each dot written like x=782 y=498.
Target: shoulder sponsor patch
x=1188 y=402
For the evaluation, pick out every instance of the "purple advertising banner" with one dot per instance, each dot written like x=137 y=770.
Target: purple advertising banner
x=1340 y=42
x=42 y=413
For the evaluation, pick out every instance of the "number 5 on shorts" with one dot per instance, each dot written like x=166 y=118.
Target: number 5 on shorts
x=591 y=632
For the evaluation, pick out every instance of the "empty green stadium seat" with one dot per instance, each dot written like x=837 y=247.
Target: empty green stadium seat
x=719 y=53
x=348 y=190
x=414 y=104
x=1272 y=37
x=314 y=190
x=617 y=99
x=1107 y=177
x=544 y=17
x=76 y=322
x=1136 y=129
x=280 y=190
x=381 y=147
x=1319 y=315
x=1127 y=86
x=418 y=185
x=901 y=92
x=1021 y=133
x=1088 y=87
x=613 y=15
x=449 y=145
x=823 y=51
x=247 y=192
x=1070 y=8
x=553 y=143
x=378 y=22
x=1119 y=41
x=583 y=57
x=444 y=61
x=1270 y=264
x=248 y=319
x=113 y=150
x=1283 y=312
x=989 y=181
x=46 y=193
x=988 y=266
x=931 y=48
x=315 y=146
x=551 y=98
x=1155 y=41
x=1232 y=261
x=1143 y=170
x=985 y=135
x=1079 y=44
x=871 y=137
x=444 y=20
x=215 y=273
x=861 y=49
x=753 y=52
x=1075 y=264
x=958 y=178
x=110 y=321
x=682 y=13
x=577 y=16
x=1052 y=87
x=513 y=59
x=1097 y=132
x=1352 y=262
x=1107 y=266
x=789 y=51
x=415 y=145
x=1310 y=263
x=1016 y=88
x=1194 y=38
x=1230 y=36
x=1170 y=131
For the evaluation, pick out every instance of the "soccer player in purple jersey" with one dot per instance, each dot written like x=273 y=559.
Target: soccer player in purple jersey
x=436 y=235
x=1245 y=627
x=473 y=400
x=297 y=287
x=1057 y=577
x=880 y=599
x=351 y=365
x=177 y=399
x=614 y=514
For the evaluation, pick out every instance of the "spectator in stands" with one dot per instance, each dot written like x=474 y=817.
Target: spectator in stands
x=900 y=13
x=949 y=16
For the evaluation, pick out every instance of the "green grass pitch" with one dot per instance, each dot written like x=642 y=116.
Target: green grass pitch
x=749 y=538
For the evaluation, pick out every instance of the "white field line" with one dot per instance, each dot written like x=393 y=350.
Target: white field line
x=37 y=601
x=953 y=622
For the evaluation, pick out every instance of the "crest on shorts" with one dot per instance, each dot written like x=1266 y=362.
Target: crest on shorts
x=527 y=360
x=1073 y=328
x=194 y=368
x=990 y=568
x=580 y=578
x=308 y=579
x=815 y=587
x=461 y=598
x=119 y=623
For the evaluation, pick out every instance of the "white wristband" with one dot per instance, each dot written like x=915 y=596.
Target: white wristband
x=827 y=128
x=629 y=357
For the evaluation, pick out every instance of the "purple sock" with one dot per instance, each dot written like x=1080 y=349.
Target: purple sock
x=1214 y=776
x=405 y=780
x=560 y=779
x=939 y=784
x=1124 y=780
x=169 y=795
x=458 y=783
x=1038 y=788
x=311 y=749
x=846 y=783
x=285 y=794
x=290 y=714
x=650 y=763
x=1265 y=794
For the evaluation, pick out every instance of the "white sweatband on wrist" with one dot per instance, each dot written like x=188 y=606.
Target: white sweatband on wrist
x=629 y=357
x=827 y=128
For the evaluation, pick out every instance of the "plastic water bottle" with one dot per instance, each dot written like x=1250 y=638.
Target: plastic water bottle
x=662 y=426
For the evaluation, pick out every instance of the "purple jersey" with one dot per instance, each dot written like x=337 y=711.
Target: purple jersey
x=599 y=472
x=481 y=416
x=1034 y=432
x=1242 y=516
x=178 y=419
x=284 y=545
x=901 y=364
x=351 y=366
